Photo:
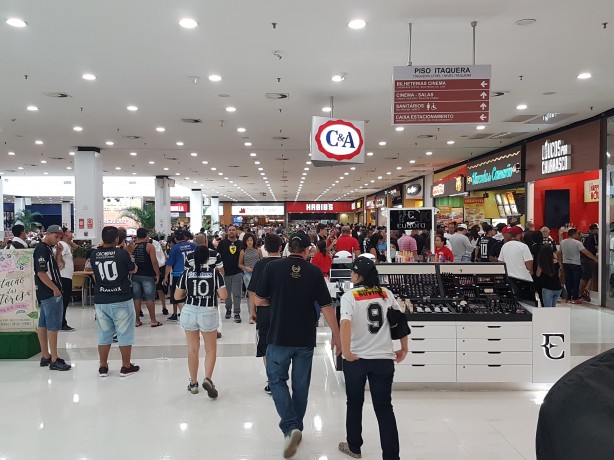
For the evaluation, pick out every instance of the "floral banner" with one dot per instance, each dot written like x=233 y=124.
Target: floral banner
x=17 y=291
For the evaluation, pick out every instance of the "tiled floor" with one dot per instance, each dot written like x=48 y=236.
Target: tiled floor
x=76 y=415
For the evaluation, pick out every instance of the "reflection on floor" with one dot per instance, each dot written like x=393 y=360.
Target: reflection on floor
x=76 y=415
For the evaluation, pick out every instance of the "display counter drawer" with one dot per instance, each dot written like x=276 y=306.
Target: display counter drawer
x=424 y=344
x=430 y=357
x=425 y=373
x=432 y=331
x=494 y=357
x=494 y=373
x=494 y=344
x=495 y=330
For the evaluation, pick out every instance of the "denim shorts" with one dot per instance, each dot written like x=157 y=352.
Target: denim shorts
x=116 y=318
x=143 y=287
x=195 y=318
x=50 y=314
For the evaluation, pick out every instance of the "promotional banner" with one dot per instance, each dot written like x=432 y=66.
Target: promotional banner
x=112 y=209
x=336 y=142
x=17 y=292
x=474 y=210
x=591 y=191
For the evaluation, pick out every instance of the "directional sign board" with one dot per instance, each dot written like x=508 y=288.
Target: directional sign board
x=441 y=95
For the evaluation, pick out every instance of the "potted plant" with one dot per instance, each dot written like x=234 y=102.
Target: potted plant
x=79 y=255
x=26 y=218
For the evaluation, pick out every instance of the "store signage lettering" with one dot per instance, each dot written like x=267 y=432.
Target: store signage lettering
x=493 y=175
x=501 y=169
x=413 y=190
x=556 y=157
x=380 y=202
x=450 y=187
x=549 y=344
x=335 y=141
x=179 y=207
x=340 y=206
x=439 y=189
x=319 y=207
x=258 y=210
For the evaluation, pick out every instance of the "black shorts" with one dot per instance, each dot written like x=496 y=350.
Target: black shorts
x=587 y=269
x=160 y=286
x=171 y=289
x=261 y=334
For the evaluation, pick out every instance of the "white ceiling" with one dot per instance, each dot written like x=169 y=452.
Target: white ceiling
x=141 y=56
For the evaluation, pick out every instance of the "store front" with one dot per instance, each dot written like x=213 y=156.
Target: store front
x=180 y=213
x=563 y=176
x=448 y=194
x=370 y=212
x=357 y=215
x=496 y=188
x=310 y=213
x=257 y=214
x=413 y=193
x=381 y=204
x=608 y=241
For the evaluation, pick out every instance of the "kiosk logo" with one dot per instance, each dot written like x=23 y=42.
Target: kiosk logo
x=547 y=345
x=339 y=140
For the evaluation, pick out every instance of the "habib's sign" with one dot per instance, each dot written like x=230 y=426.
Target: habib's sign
x=504 y=168
x=319 y=207
x=337 y=142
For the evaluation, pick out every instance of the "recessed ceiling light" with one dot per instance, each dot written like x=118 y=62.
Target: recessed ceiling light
x=338 y=77
x=194 y=154
x=346 y=173
x=43 y=161
x=77 y=128
x=205 y=162
x=88 y=76
x=399 y=128
x=247 y=144
x=369 y=154
x=133 y=154
x=382 y=143
x=231 y=109
x=380 y=177
x=252 y=154
x=214 y=77
x=188 y=23
x=67 y=167
x=177 y=174
x=179 y=143
x=117 y=168
x=357 y=24
x=166 y=169
x=38 y=142
x=480 y=127
x=220 y=174
x=72 y=154
x=256 y=162
x=16 y=22
x=132 y=108
x=450 y=142
x=521 y=107
x=160 y=129
x=389 y=173
x=45 y=173
x=187 y=178
x=213 y=169
x=11 y=153
x=326 y=109
x=32 y=108
x=110 y=143
x=428 y=153
x=413 y=161
x=241 y=130
x=399 y=167
x=152 y=162
x=372 y=181
x=260 y=169
x=584 y=75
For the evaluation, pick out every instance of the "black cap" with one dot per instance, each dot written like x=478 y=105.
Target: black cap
x=302 y=238
x=363 y=266
x=593 y=227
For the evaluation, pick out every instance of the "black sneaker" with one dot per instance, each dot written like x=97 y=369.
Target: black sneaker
x=237 y=318
x=128 y=371
x=59 y=365
x=103 y=371
x=45 y=361
x=267 y=389
x=227 y=314
x=219 y=335
x=165 y=311
x=193 y=387
x=173 y=317
x=210 y=388
x=67 y=328
x=141 y=314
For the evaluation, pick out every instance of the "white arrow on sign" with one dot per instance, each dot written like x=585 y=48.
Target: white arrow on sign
x=483 y=106
x=483 y=95
x=483 y=117
x=484 y=84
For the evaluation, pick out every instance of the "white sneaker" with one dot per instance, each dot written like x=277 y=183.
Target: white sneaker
x=291 y=443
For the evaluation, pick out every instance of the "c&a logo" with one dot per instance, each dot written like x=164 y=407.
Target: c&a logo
x=339 y=140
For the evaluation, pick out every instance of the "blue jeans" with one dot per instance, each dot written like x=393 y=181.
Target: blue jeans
x=291 y=408
x=573 y=273
x=550 y=297
x=116 y=318
x=247 y=277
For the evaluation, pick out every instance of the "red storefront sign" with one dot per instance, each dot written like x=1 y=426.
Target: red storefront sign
x=317 y=207
x=441 y=94
x=180 y=207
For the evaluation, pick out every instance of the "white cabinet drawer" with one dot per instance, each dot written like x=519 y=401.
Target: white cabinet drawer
x=495 y=330
x=425 y=373
x=430 y=357
x=495 y=357
x=494 y=373
x=432 y=331
x=494 y=344
x=420 y=344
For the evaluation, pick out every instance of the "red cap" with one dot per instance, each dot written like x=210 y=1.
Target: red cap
x=514 y=230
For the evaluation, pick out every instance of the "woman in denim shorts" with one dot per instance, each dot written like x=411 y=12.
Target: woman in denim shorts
x=201 y=285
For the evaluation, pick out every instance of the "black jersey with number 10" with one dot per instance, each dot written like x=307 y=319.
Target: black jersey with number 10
x=112 y=267
x=201 y=286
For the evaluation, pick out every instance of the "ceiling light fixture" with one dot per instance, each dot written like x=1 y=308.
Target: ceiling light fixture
x=339 y=77
x=525 y=22
x=152 y=162
x=67 y=167
x=179 y=143
x=32 y=108
x=132 y=108
x=413 y=161
x=188 y=23
x=382 y=143
x=247 y=144
x=521 y=107
x=231 y=109
x=117 y=168
x=480 y=127
x=241 y=130
x=160 y=129
x=357 y=24
x=399 y=168
x=43 y=161
x=72 y=154
x=450 y=142
x=369 y=154
x=88 y=76
x=399 y=129
x=252 y=154
x=77 y=128
x=326 y=109
x=16 y=22
x=205 y=162
x=133 y=154
x=110 y=143
x=38 y=142
x=256 y=162
x=584 y=76
x=215 y=77
x=428 y=154
x=194 y=154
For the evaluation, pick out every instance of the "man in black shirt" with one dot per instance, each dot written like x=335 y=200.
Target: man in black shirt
x=291 y=286
x=19 y=237
x=229 y=249
x=261 y=314
x=591 y=242
x=486 y=243
x=49 y=295
x=115 y=312
x=146 y=276
x=420 y=241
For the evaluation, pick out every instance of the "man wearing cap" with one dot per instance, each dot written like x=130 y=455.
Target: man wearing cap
x=460 y=244
x=49 y=295
x=519 y=263
x=291 y=286
x=591 y=243
x=175 y=264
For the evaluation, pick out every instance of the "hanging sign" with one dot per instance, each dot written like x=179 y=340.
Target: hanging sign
x=591 y=191
x=440 y=94
x=337 y=142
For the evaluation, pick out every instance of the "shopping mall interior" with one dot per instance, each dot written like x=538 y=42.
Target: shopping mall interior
x=217 y=112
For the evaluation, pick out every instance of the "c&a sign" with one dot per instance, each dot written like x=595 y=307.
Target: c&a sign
x=335 y=141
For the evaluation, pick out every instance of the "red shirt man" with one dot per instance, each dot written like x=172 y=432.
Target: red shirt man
x=348 y=243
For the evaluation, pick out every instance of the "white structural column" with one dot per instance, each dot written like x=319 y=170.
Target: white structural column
x=215 y=214
x=1 y=209
x=428 y=191
x=20 y=204
x=196 y=210
x=88 y=194
x=163 y=204
x=66 y=215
